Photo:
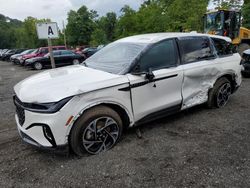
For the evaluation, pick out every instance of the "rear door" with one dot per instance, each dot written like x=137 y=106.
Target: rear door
x=200 y=70
x=162 y=95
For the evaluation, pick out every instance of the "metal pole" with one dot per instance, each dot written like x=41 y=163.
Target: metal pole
x=52 y=60
x=64 y=34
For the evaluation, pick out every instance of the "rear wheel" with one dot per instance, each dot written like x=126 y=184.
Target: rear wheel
x=98 y=130
x=220 y=94
x=76 y=62
x=38 y=66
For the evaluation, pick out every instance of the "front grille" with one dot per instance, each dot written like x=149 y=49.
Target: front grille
x=19 y=111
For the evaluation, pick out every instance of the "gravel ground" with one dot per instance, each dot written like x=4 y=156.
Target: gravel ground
x=195 y=148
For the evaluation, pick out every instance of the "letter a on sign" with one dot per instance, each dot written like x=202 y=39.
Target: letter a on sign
x=47 y=30
x=50 y=31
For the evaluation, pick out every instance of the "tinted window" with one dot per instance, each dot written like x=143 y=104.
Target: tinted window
x=66 y=53
x=223 y=47
x=56 y=53
x=195 y=48
x=44 y=50
x=161 y=55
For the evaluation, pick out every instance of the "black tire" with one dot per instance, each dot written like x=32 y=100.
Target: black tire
x=242 y=47
x=213 y=101
x=81 y=129
x=245 y=75
x=38 y=66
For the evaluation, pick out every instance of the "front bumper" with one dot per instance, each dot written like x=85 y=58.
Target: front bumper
x=49 y=131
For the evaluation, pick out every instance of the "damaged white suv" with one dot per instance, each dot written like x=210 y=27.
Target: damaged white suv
x=129 y=82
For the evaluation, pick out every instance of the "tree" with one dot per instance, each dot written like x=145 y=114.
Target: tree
x=246 y=13
x=228 y=4
x=80 y=26
x=151 y=17
x=126 y=25
x=189 y=18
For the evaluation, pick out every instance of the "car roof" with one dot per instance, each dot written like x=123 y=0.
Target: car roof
x=156 y=37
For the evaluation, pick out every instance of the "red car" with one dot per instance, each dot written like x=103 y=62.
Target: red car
x=40 y=52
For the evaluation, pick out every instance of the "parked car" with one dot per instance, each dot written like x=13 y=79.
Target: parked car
x=15 y=58
x=6 y=56
x=127 y=83
x=79 y=49
x=4 y=52
x=40 y=53
x=246 y=63
x=62 y=58
x=87 y=52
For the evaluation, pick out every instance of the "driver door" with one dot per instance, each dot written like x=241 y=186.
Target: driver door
x=160 y=95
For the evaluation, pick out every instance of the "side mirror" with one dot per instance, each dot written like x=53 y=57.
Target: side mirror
x=149 y=75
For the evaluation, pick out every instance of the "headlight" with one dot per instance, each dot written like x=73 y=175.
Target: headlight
x=43 y=107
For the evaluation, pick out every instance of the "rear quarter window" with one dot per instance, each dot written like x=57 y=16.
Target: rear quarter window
x=223 y=47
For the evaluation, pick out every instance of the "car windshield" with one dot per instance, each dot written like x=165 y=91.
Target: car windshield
x=35 y=51
x=116 y=57
x=26 y=52
x=213 y=22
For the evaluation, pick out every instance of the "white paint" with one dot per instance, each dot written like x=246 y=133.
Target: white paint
x=156 y=37
x=92 y=87
x=47 y=30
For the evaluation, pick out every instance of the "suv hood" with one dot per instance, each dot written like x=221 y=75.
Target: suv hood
x=57 y=84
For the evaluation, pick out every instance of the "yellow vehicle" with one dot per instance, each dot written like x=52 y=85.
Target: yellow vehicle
x=228 y=23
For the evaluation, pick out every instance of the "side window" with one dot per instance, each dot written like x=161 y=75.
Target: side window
x=223 y=47
x=161 y=55
x=195 y=49
x=66 y=53
x=56 y=53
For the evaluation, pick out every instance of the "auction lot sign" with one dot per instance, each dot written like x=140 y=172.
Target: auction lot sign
x=47 y=30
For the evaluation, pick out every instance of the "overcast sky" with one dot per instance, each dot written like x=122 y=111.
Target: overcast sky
x=57 y=9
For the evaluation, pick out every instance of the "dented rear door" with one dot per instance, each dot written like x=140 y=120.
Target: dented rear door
x=199 y=69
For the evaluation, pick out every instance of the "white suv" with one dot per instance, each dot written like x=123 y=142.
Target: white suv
x=129 y=82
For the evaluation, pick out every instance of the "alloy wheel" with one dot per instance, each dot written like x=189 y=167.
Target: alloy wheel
x=223 y=94
x=100 y=135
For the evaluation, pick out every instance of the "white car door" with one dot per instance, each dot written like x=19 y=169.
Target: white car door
x=200 y=69
x=160 y=95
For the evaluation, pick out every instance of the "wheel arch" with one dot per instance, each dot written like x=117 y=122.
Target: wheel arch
x=120 y=109
x=231 y=78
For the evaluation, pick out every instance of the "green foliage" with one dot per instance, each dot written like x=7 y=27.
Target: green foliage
x=246 y=14
x=228 y=4
x=186 y=15
x=80 y=26
x=86 y=27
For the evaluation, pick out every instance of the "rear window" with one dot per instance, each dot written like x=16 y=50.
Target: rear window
x=195 y=49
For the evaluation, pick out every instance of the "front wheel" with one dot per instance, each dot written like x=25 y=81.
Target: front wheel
x=220 y=94
x=38 y=66
x=96 y=131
